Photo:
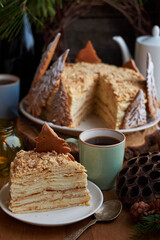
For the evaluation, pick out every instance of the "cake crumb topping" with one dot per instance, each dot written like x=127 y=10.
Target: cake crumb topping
x=27 y=162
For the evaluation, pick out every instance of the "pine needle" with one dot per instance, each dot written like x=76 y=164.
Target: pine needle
x=150 y=225
x=10 y=27
x=44 y=12
x=38 y=12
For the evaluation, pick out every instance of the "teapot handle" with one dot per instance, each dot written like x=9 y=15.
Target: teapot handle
x=126 y=55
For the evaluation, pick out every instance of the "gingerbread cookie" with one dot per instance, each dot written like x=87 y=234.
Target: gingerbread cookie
x=40 y=93
x=59 y=104
x=46 y=59
x=44 y=63
x=153 y=104
x=48 y=141
x=136 y=112
x=131 y=64
x=88 y=54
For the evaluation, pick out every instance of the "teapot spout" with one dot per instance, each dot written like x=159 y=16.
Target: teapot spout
x=126 y=56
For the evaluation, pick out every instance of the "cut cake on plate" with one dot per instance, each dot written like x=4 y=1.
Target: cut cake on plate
x=82 y=88
x=43 y=180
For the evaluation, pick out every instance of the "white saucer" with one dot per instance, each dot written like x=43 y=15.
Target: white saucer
x=56 y=217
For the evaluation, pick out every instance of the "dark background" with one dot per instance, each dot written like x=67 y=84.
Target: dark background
x=99 y=25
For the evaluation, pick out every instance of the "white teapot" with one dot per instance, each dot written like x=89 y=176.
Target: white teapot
x=144 y=44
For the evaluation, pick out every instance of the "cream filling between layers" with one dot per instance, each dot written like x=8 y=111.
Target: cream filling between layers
x=47 y=175
x=49 y=196
x=106 y=106
x=17 y=190
x=46 y=205
x=82 y=104
x=47 y=172
x=83 y=112
x=105 y=114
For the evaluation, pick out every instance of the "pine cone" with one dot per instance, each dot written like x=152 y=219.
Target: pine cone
x=138 y=210
x=154 y=206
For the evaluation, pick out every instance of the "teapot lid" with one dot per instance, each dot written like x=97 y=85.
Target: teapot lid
x=153 y=40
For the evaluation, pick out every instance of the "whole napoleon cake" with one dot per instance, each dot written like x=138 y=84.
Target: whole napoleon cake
x=47 y=178
x=68 y=92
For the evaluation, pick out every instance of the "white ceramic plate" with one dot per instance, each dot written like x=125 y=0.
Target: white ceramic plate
x=56 y=217
x=91 y=121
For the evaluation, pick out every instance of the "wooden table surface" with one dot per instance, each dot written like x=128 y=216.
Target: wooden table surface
x=119 y=229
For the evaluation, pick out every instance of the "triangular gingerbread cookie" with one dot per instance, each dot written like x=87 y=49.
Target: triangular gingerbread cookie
x=44 y=63
x=46 y=59
x=42 y=90
x=131 y=65
x=136 y=112
x=58 y=105
x=48 y=141
x=153 y=104
x=88 y=54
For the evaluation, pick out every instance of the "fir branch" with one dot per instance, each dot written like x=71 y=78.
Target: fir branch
x=53 y=16
x=11 y=26
x=38 y=12
x=42 y=9
x=150 y=225
x=35 y=19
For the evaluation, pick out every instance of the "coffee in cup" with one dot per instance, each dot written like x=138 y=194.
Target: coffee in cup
x=101 y=151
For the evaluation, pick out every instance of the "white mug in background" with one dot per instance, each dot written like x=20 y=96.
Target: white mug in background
x=9 y=95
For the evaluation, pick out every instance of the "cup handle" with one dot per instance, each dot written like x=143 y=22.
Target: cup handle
x=73 y=140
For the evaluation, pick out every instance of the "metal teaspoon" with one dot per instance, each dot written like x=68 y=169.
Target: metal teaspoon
x=107 y=212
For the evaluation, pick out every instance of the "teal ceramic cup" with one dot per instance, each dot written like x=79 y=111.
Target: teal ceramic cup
x=9 y=95
x=102 y=162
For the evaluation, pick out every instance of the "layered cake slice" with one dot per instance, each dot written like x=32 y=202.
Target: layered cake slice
x=43 y=180
x=115 y=92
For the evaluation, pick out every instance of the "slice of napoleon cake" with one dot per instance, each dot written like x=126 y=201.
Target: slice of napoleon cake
x=47 y=177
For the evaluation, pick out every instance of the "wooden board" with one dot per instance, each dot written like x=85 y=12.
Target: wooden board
x=137 y=142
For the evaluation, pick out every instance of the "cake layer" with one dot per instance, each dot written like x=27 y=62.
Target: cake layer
x=82 y=106
x=50 y=175
x=48 y=205
x=18 y=190
x=106 y=107
x=106 y=114
x=49 y=194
